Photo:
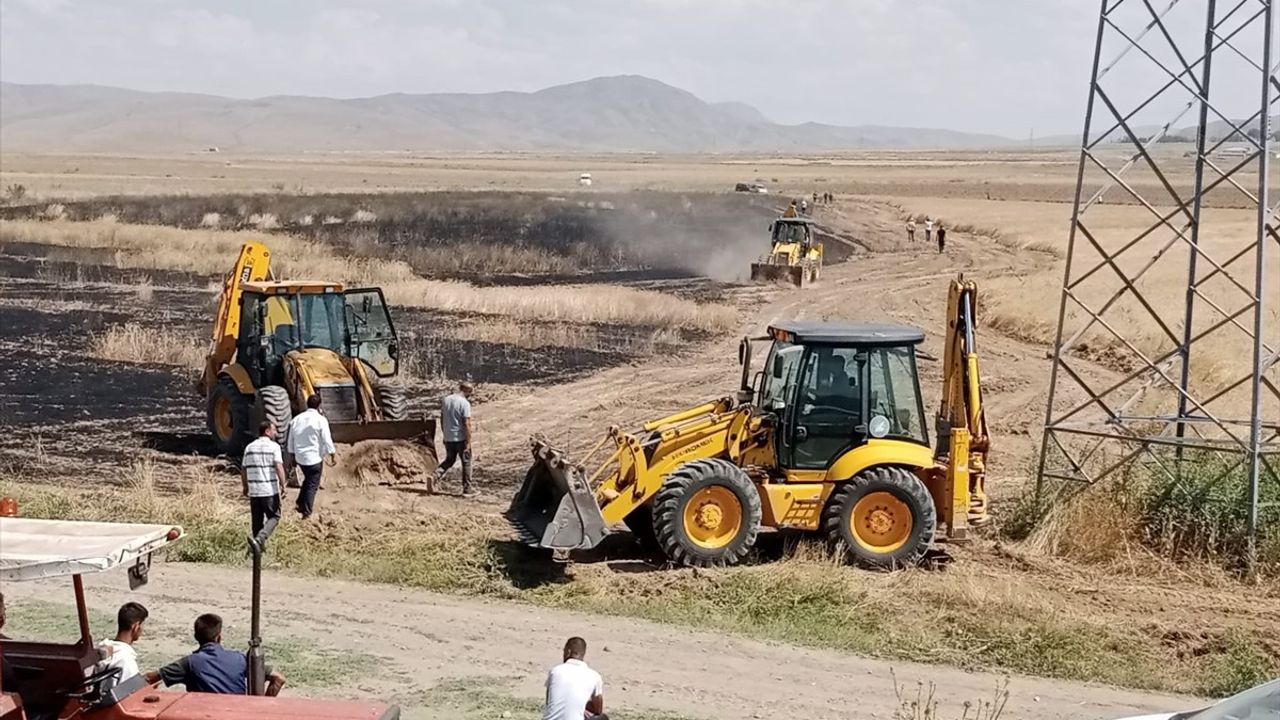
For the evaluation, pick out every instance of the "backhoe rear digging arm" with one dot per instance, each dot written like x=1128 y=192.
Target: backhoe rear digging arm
x=253 y=265
x=962 y=424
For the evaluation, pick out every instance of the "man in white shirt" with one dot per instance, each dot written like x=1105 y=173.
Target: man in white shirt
x=309 y=443
x=928 y=229
x=262 y=481
x=455 y=426
x=119 y=652
x=574 y=690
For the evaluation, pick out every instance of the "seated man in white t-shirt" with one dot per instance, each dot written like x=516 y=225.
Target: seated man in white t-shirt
x=119 y=652
x=574 y=690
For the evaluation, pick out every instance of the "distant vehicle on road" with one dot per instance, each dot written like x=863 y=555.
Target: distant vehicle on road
x=1236 y=151
x=584 y=179
x=757 y=188
x=1260 y=702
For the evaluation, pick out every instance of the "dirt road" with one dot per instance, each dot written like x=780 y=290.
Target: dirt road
x=421 y=639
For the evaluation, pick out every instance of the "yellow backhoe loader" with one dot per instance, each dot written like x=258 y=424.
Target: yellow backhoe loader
x=830 y=437
x=794 y=255
x=275 y=343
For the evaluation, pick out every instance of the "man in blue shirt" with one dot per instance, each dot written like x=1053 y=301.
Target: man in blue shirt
x=213 y=668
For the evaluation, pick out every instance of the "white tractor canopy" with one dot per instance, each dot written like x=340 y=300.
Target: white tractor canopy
x=31 y=549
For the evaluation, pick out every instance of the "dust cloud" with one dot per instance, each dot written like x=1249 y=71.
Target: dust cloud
x=716 y=236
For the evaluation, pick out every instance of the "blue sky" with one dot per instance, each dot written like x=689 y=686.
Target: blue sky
x=1004 y=66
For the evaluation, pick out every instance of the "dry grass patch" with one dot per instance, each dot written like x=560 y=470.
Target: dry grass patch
x=212 y=252
x=488 y=258
x=975 y=615
x=136 y=343
x=585 y=337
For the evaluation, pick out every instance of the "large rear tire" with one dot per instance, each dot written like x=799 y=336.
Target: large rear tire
x=274 y=406
x=883 y=518
x=228 y=417
x=392 y=402
x=707 y=513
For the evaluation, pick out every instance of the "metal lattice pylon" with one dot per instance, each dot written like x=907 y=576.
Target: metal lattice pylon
x=1168 y=329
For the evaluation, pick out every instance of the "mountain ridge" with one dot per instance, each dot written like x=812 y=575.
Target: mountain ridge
x=617 y=113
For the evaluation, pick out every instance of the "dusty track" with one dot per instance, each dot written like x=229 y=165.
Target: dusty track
x=422 y=639
x=900 y=283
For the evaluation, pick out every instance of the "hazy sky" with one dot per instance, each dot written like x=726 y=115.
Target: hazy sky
x=1005 y=66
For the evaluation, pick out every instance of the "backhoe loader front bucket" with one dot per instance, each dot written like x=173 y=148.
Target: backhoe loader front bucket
x=798 y=275
x=555 y=507
x=419 y=429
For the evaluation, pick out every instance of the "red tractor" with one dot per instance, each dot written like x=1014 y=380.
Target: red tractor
x=58 y=681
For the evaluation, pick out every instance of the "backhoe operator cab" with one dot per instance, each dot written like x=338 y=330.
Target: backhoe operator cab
x=321 y=320
x=832 y=388
x=792 y=230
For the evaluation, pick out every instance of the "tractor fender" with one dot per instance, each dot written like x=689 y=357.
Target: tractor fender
x=880 y=452
x=239 y=376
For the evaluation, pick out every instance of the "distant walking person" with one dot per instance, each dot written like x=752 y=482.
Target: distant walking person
x=911 y=230
x=309 y=443
x=942 y=238
x=574 y=690
x=455 y=425
x=928 y=229
x=262 y=481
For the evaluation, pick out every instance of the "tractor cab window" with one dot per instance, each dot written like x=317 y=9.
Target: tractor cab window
x=829 y=415
x=894 y=395
x=371 y=334
x=779 y=375
x=278 y=323
x=788 y=232
x=322 y=321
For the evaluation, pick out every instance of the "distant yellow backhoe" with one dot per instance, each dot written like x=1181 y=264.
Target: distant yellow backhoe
x=830 y=437
x=795 y=256
x=275 y=343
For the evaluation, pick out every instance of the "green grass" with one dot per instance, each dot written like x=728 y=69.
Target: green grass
x=305 y=665
x=808 y=599
x=487 y=698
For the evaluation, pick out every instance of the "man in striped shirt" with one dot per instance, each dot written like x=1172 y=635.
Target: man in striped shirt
x=262 y=479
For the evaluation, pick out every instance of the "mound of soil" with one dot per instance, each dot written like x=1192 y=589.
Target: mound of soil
x=381 y=462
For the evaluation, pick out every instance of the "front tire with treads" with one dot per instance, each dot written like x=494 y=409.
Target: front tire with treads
x=707 y=513
x=392 y=402
x=229 y=414
x=273 y=405
x=883 y=518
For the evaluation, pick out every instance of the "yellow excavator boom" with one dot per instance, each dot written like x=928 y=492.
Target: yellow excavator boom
x=253 y=265
x=963 y=441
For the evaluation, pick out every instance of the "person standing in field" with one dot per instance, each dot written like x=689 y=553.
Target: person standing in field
x=942 y=238
x=928 y=229
x=309 y=442
x=911 y=230
x=791 y=211
x=119 y=652
x=455 y=426
x=262 y=481
x=574 y=690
